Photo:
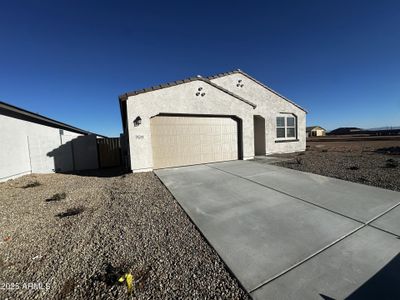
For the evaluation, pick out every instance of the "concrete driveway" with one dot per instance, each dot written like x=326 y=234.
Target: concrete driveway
x=287 y=234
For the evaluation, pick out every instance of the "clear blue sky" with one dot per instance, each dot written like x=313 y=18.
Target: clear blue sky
x=70 y=60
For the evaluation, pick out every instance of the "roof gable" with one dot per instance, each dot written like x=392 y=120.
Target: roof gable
x=125 y=96
x=309 y=128
x=238 y=71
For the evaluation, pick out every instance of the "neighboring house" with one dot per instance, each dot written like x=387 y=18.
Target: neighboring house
x=198 y=120
x=31 y=143
x=345 y=130
x=315 y=131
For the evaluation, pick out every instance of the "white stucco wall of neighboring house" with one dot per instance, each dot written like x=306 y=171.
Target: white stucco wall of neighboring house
x=318 y=132
x=28 y=147
x=269 y=105
x=181 y=99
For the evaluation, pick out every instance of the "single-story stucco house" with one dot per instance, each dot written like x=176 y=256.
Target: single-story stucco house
x=33 y=143
x=197 y=120
x=315 y=131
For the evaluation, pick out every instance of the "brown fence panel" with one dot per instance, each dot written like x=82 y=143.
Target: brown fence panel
x=109 y=150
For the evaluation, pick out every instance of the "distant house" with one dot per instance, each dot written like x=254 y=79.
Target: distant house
x=345 y=130
x=315 y=131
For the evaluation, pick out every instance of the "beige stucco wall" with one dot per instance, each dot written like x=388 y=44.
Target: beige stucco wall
x=316 y=132
x=182 y=99
x=28 y=147
x=269 y=105
x=319 y=132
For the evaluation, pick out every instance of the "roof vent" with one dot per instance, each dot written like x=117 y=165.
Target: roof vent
x=199 y=92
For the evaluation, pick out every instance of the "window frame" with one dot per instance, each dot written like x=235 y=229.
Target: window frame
x=280 y=127
x=286 y=127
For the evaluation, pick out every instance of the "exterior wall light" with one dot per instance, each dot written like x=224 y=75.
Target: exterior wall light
x=137 y=121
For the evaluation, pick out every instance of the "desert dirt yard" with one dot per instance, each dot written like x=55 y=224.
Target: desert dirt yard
x=368 y=160
x=73 y=237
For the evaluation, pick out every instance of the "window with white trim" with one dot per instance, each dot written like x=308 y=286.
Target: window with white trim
x=280 y=127
x=286 y=127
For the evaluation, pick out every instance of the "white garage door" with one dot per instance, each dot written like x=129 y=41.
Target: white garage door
x=179 y=141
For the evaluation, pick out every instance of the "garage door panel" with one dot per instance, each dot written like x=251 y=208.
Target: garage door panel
x=179 y=141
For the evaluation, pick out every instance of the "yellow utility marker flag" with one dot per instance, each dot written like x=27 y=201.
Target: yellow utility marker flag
x=129 y=282
x=128 y=277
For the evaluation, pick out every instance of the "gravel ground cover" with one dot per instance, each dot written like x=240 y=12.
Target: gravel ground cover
x=74 y=236
x=371 y=162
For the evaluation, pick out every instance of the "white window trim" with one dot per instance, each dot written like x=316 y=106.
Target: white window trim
x=286 y=138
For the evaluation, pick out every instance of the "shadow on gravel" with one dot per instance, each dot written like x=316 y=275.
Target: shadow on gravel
x=107 y=172
x=68 y=287
x=391 y=163
x=111 y=275
x=56 y=197
x=353 y=168
x=71 y=212
x=31 y=185
x=389 y=150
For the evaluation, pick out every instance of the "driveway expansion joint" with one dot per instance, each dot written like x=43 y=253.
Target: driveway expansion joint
x=314 y=204
x=287 y=194
x=363 y=225
x=327 y=247
x=340 y=226
x=307 y=258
